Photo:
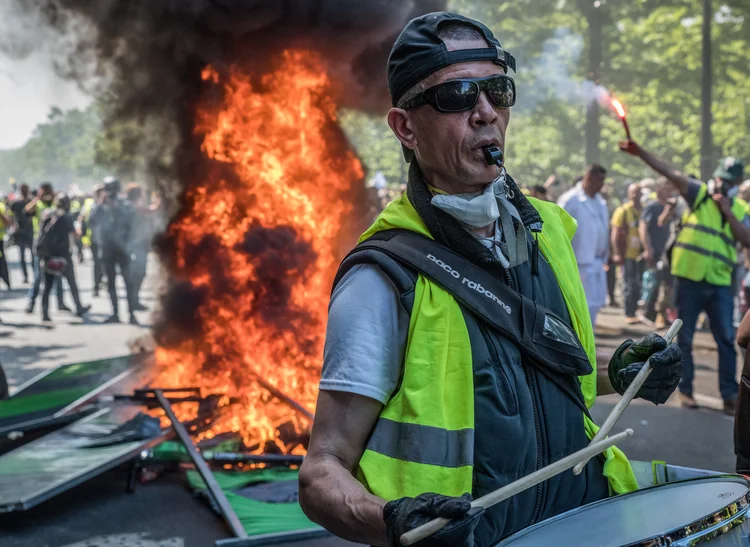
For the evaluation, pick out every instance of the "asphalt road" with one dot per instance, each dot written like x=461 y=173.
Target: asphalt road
x=165 y=514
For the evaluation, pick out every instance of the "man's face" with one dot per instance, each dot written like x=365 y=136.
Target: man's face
x=666 y=192
x=449 y=146
x=634 y=193
x=593 y=182
x=46 y=195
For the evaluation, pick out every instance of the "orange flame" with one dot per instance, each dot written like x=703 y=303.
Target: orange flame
x=288 y=175
x=618 y=108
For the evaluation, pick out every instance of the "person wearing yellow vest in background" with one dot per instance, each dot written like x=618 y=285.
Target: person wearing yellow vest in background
x=41 y=203
x=432 y=390
x=626 y=249
x=5 y=223
x=703 y=260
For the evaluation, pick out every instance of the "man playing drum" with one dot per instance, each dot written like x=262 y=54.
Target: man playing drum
x=459 y=348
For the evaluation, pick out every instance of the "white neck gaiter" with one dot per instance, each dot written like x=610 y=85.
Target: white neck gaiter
x=480 y=209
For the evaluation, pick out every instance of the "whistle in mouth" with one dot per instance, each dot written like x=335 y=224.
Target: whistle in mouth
x=493 y=155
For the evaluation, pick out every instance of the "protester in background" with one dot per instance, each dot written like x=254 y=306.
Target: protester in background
x=23 y=230
x=626 y=250
x=139 y=242
x=703 y=260
x=53 y=247
x=111 y=222
x=555 y=187
x=42 y=201
x=76 y=206
x=591 y=242
x=89 y=236
x=539 y=192
x=654 y=230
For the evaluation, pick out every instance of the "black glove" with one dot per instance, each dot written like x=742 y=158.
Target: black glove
x=405 y=514
x=666 y=362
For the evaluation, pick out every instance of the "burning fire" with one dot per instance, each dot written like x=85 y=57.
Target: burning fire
x=258 y=244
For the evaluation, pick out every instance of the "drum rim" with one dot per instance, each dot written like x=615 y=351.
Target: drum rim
x=698 y=531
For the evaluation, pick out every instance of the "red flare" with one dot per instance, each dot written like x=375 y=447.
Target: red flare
x=618 y=108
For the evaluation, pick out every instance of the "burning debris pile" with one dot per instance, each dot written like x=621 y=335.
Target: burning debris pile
x=241 y=99
x=254 y=246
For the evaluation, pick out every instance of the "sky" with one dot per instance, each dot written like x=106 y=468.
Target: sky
x=28 y=89
x=29 y=86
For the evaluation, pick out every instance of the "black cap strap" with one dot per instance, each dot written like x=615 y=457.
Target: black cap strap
x=496 y=54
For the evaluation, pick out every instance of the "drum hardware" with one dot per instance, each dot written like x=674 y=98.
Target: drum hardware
x=545 y=473
x=628 y=396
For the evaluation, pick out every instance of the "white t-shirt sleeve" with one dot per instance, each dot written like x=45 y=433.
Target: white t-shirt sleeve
x=366 y=335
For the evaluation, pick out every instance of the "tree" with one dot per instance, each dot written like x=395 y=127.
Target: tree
x=650 y=57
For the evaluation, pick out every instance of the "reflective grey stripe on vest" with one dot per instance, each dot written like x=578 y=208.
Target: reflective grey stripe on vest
x=705 y=229
x=696 y=249
x=423 y=444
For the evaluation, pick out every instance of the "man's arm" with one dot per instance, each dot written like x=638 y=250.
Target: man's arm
x=329 y=494
x=681 y=181
x=619 y=244
x=31 y=206
x=666 y=215
x=619 y=236
x=645 y=237
x=740 y=232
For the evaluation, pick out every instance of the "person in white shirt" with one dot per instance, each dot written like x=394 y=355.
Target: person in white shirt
x=591 y=242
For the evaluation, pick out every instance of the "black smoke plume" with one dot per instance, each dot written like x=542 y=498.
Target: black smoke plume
x=146 y=57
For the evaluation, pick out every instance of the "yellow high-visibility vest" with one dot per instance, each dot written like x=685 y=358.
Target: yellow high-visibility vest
x=437 y=387
x=705 y=249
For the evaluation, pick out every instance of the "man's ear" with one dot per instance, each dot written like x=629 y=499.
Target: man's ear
x=400 y=123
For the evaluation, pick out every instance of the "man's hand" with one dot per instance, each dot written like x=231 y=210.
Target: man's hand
x=405 y=514
x=617 y=259
x=666 y=362
x=724 y=203
x=631 y=147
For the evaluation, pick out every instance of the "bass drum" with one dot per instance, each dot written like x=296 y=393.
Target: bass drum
x=710 y=510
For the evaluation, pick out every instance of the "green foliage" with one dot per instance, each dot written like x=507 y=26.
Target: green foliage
x=375 y=144
x=61 y=150
x=651 y=59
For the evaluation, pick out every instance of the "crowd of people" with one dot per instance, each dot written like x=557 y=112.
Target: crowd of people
x=52 y=230
x=676 y=245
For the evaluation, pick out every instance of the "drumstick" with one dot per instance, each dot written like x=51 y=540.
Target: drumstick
x=628 y=396
x=509 y=490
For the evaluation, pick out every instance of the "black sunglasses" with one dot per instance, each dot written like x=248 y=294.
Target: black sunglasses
x=463 y=94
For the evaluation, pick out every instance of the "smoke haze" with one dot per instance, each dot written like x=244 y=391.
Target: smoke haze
x=29 y=83
x=553 y=74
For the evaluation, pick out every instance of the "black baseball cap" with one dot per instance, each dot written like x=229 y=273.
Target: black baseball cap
x=418 y=52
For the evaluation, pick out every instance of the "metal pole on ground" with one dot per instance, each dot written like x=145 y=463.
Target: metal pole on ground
x=221 y=500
